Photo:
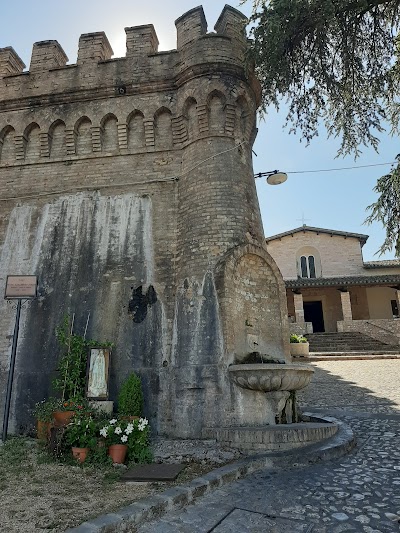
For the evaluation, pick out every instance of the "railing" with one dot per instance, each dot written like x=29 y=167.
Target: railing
x=384 y=330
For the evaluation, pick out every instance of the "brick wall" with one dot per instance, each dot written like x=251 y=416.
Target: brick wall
x=121 y=174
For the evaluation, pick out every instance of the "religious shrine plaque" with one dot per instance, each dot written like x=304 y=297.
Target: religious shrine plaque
x=20 y=287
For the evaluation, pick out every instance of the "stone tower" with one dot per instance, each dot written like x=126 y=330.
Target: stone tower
x=126 y=186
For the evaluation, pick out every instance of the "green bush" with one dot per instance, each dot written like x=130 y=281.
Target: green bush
x=130 y=397
x=297 y=338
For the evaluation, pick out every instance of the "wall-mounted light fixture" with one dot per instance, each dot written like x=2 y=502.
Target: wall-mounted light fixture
x=274 y=177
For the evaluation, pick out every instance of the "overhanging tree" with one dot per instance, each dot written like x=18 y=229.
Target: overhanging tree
x=335 y=62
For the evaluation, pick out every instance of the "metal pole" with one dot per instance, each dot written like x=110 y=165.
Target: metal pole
x=11 y=372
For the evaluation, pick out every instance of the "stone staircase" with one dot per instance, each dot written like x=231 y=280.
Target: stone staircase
x=347 y=342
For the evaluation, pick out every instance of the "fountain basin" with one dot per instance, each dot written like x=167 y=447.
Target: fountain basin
x=271 y=377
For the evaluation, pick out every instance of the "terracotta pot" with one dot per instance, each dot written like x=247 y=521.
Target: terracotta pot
x=117 y=452
x=43 y=430
x=80 y=454
x=62 y=418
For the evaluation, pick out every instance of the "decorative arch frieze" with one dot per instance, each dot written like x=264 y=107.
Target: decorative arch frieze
x=190 y=118
x=216 y=102
x=109 y=134
x=32 y=143
x=7 y=145
x=57 y=139
x=135 y=130
x=163 y=129
x=83 y=136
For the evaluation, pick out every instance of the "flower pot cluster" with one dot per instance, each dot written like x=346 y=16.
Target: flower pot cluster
x=70 y=426
x=123 y=437
x=83 y=434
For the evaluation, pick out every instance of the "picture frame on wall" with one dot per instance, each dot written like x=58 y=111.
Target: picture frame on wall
x=97 y=373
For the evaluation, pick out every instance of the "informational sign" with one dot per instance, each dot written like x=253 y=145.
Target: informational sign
x=20 y=287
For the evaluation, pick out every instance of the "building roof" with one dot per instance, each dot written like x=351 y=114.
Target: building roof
x=391 y=263
x=346 y=234
x=344 y=281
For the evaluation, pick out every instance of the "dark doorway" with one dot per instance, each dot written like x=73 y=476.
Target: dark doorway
x=313 y=313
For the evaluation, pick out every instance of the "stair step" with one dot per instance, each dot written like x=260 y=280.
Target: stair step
x=342 y=342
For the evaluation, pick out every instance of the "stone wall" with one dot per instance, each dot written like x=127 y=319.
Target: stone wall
x=387 y=331
x=129 y=177
x=335 y=255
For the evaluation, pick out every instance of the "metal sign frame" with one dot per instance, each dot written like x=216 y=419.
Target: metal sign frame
x=23 y=288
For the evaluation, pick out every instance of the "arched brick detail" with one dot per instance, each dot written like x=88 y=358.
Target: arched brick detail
x=109 y=133
x=57 y=139
x=7 y=145
x=252 y=298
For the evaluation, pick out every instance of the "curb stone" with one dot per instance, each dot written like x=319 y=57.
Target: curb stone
x=177 y=497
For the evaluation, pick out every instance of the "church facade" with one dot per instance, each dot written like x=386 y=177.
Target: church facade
x=330 y=287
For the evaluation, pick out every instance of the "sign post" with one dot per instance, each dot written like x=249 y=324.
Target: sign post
x=17 y=288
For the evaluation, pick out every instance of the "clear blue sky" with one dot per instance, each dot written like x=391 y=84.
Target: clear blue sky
x=334 y=200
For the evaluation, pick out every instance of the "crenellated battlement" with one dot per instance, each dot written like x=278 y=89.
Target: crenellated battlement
x=146 y=101
x=141 y=44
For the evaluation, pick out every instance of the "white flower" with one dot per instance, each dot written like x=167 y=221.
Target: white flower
x=124 y=438
x=113 y=421
x=129 y=429
x=143 y=421
x=117 y=430
x=103 y=431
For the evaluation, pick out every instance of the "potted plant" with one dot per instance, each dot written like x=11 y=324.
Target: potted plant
x=299 y=346
x=43 y=412
x=122 y=435
x=130 y=397
x=81 y=435
x=71 y=371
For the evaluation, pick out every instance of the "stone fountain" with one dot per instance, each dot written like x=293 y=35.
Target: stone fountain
x=261 y=380
x=266 y=392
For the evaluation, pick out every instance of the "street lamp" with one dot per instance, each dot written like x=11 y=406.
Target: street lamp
x=274 y=177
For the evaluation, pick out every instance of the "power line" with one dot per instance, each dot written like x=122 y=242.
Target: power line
x=342 y=168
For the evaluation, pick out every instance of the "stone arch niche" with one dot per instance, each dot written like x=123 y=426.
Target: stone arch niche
x=190 y=118
x=7 y=145
x=57 y=139
x=242 y=122
x=32 y=143
x=136 y=138
x=109 y=133
x=253 y=305
x=83 y=136
x=216 y=112
x=163 y=129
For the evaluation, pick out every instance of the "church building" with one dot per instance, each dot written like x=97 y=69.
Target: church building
x=330 y=288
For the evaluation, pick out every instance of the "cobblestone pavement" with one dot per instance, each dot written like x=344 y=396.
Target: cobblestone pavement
x=359 y=492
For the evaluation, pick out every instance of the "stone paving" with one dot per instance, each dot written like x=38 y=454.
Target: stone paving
x=359 y=492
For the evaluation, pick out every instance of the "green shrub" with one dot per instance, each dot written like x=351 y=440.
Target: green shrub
x=130 y=397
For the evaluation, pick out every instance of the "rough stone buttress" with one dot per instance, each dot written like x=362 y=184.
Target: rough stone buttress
x=126 y=186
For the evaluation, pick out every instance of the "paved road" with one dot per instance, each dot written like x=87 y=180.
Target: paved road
x=359 y=492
